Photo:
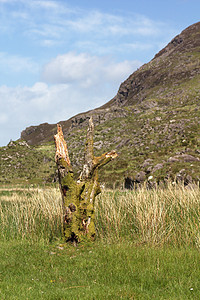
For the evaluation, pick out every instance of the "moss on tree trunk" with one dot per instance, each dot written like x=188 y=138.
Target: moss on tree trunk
x=78 y=196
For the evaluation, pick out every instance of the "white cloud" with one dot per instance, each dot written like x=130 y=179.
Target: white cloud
x=45 y=4
x=71 y=67
x=86 y=70
x=44 y=21
x=120 y=71
x=17 y=64
x=90 y=21
x=113 y=25
x=25 y=106
x=80 y=82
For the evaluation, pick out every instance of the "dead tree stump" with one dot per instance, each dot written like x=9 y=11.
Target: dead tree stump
x=78 y=196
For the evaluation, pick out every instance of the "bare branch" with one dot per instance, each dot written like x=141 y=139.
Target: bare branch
x=104 y=159
x=61 y=146
x=91 y=162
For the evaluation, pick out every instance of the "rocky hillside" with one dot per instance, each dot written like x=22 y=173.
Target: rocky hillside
x=176 y=64
x=153 y=121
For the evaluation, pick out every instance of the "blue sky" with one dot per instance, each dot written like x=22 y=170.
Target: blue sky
x=60 y=58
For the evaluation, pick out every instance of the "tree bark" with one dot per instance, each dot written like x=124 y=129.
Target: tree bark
x=78 y=197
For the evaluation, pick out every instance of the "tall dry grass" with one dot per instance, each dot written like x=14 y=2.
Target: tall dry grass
x=34 y=214
x=155 y=217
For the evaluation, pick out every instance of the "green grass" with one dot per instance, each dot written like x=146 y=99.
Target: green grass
x=98 y=271
x=147 y=246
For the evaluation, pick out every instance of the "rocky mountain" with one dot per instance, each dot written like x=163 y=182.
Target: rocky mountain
x=153 y=121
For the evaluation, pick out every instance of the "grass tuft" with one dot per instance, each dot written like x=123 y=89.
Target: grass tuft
x=32 y=214
x=155 y=217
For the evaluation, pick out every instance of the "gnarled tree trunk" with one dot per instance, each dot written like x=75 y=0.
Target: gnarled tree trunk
x=78 y=196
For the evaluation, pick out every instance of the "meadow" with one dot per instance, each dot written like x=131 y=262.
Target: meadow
x=147 y=246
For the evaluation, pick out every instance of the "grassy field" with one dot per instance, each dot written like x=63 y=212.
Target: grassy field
x=99 y=271
x=147 y=246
